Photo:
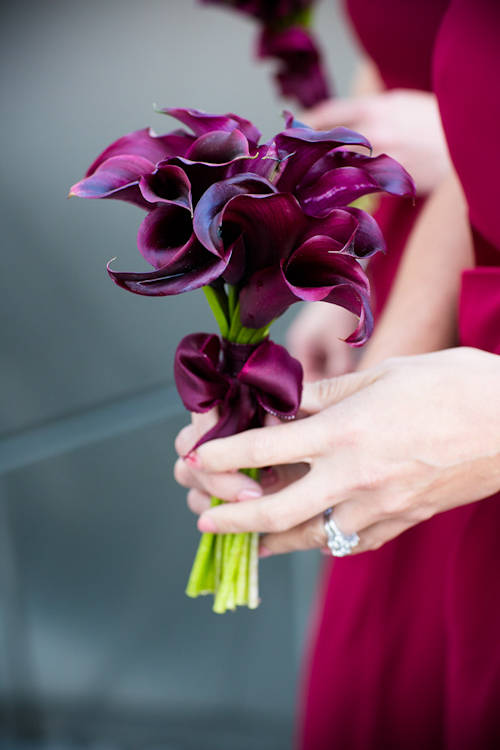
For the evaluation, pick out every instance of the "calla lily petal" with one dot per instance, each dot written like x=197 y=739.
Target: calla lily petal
x=316 y=272
x=163 y=232
x=147 y=144
x=340 y=225
x=172 y=279
x=219 y=147
x=270 y=224
x=208 y=218
x=368 y=239
x=202 y=123
x=386 y=173
x=117 y=177
x=338 y=187
x=306 y=146
x=168 y=184
x=390 y=175
x=265 y=297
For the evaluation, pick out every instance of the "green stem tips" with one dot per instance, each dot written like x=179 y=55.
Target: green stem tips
x=226 y=565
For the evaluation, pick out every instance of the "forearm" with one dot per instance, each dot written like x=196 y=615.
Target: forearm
x=421 y=312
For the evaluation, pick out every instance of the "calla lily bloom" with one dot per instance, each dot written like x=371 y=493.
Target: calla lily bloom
x=272 y=220
x=300 y=74
x=269 y=11
x=123 y=170
x=290 y=256
x=182 y=250
x=323 y=174
x=286 y=37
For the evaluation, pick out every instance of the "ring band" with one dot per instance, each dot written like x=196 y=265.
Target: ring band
x=340 y=544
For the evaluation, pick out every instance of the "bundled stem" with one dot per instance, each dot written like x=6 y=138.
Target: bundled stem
x=226 y=565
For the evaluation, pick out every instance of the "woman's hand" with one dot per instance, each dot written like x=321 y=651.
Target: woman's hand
x=388 y=447
x=402 y=123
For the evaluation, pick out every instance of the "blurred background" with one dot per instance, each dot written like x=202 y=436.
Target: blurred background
x=99 y=646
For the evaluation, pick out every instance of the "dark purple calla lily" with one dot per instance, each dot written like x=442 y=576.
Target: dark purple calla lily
x=202 y=123
x=300 y=74
x=286 y=37
x=272 y=220
x=189 y=254
x=269 y=11
x=167 y=184
x=341 y=177
x=117 y=177
x=290 y=256
x=190 y=268
x=316 y=270
x=123 y=169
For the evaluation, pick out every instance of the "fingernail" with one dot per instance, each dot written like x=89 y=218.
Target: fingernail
x=193 y=460
x=249 y=494
x=206 y=525
x=264 y=552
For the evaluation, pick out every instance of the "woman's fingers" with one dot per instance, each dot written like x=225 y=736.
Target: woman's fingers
x=228 y=486
x=296 y=441
x=198 y=501
x=273 y=480
x=318 y=396
x=312 y=535
x=189 y=435
x=273 y=513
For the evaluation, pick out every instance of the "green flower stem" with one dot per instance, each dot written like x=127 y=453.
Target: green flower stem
x=218 y=557
x=201 y=566
x=242 y=574
x=219 y=305
x=227 y=564
x=225 y=597
x=253 y=600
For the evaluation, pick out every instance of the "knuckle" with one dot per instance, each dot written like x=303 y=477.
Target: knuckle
x=184 y=440
x=274 y=519
x=192 y=501
x=182 y=474
x=261 y=448
x=314 y=536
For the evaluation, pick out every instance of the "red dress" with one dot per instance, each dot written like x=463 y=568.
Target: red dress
x=407 y=644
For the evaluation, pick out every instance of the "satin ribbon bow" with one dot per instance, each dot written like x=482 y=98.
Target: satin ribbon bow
x=243 y=380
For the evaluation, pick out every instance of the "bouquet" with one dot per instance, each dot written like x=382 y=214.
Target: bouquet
x=259 y=227
x=286 y=36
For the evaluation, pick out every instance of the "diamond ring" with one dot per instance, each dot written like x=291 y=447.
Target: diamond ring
x=340 y=544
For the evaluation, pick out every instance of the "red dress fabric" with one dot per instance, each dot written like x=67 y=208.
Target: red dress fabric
x=406 y=650
x=399 y=37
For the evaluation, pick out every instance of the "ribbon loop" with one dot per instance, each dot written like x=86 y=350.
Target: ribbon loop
x=243 y=380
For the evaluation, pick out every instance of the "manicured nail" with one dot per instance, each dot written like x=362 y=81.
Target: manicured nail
x=206 y=525
x=193 y=460
x=249 y=494
x=264 y=552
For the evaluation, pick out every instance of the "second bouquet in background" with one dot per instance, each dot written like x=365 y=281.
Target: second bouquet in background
x=259 y=227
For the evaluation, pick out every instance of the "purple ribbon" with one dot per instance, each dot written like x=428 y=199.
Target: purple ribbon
x=243 y=380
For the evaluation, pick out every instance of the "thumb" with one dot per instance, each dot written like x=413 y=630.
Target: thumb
x=318 y=396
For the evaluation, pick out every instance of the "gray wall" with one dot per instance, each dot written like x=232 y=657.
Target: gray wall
x=95 y=537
